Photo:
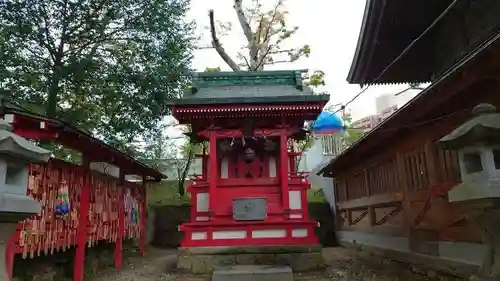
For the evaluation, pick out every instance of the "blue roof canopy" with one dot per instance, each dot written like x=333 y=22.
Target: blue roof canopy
x=328 y=123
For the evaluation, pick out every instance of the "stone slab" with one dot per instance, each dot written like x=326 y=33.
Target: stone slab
x=253 y=272
x=233 y=250
x=202 y=260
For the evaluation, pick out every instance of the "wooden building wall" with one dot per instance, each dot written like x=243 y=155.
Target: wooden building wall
x=394 y=194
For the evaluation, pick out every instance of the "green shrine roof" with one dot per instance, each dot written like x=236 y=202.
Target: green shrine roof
x=249 y=87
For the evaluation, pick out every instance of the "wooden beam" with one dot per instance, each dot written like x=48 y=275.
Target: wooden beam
x=402 y=181
x=284 y=172
x=360 y=217
x=367 y=186
x=81 y=236
x=431 y=162
x=144 y=221
x=121 y=222
x=376 y=200
x=37 y=134
x=274 y=132
x=390 y=230
x=213 y=172
x=386 y=217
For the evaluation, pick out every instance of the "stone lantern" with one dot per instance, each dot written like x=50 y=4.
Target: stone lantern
x=477 y=142
x=16 y=153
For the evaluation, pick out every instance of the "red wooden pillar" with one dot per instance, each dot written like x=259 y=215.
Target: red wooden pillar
x=292 y=162
x=212 y=179
x=81 y=236
x=284 y=169
x=121 y=223
x=204 y=163
x=143 y=221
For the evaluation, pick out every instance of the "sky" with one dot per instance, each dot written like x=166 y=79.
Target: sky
x=330 y=27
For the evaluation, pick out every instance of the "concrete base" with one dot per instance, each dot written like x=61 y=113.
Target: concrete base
x=6 y=231
x=200 y=260
x=459 y=259
x=252 y=273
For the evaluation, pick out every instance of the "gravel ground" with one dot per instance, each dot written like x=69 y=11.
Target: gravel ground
x=343 y=265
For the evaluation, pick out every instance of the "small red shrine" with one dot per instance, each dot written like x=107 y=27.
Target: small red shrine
x=80 y=205
x=249 y=192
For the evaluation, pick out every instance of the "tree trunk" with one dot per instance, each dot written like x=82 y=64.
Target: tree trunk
x=53 y=91
x=218 y=46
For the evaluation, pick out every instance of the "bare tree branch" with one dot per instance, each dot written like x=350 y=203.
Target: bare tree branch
x=275 y=52
x=253 y=12
x=218 y=46
x=261 y=63
x=247 y=64
x=247 y=30
x=276 y=62
x=266 y=46
x=204 y=47
x=255 y=52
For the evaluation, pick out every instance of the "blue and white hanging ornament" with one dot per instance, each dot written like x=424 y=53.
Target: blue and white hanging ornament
x=328 y=123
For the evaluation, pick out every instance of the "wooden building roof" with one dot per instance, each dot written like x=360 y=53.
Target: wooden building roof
x=430 y=103
x=248 y=87
x=388 y=27
x=232 y=98
x=38 y=127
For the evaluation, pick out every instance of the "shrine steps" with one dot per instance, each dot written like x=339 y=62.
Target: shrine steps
x=205 y=260
x=252 y=273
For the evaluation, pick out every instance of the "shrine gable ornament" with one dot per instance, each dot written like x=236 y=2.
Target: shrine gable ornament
x=478 y=144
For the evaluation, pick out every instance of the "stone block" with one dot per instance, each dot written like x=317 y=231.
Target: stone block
x=200 y=260
x=253 y=272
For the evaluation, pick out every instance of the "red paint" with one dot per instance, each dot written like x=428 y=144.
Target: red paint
x=312 y=107
x=81 y=239
x=121 y=225
x=248 y=227
x=38 y=134
x=212 y=178
x=143 y=218
x=284 y=172
x=133 y=229
x=97 y=203
x=256 y=132
x=272 y=180
x=204 y=164
x=205 y=224
x=95 y=150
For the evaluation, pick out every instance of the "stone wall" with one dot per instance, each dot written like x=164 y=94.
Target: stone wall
x=322 y=213
x=168 y=218
x=166 y=222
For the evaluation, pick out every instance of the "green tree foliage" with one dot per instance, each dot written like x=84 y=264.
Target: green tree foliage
x=315 y=79
x=212 y=69
x=188 y=151
x=99 y=64
x=157 y=150
x=353 y=134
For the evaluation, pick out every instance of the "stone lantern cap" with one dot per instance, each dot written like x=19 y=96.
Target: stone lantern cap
x=18 y=147
x=483 y=128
